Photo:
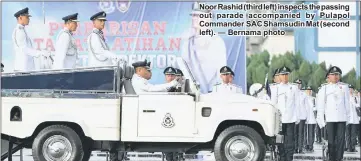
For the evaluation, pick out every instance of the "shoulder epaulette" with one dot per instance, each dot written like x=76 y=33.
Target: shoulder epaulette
x=217 y=84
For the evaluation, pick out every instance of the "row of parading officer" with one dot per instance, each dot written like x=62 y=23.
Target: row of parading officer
x=337 y=110
x=66 y=54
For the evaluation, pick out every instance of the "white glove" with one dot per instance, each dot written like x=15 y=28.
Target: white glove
x=175 y=82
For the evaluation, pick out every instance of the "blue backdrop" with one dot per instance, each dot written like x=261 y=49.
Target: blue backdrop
x=168 y=22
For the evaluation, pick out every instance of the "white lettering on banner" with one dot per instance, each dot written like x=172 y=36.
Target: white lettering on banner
x=158 y=60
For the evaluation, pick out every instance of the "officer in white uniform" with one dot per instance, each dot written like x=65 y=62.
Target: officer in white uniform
x=275 y=80
x=66 y=51
x=333 y=101
x=204 y=54
x=300 y=128
x=25 y=54
x=99 y=51
x=143 y=74
x=310 y=119
x=285 y=97
x=226 y=86
x=351 y=128
x=169 y=74
x=318 y=129
x=179 y=75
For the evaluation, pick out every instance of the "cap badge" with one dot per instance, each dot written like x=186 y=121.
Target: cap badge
x=104 y=14
x=169 y=70
x=225 y=69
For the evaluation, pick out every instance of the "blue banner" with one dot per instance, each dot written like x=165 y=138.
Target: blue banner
x=157 y=31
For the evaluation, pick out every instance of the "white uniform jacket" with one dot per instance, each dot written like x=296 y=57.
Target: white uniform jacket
x=24 y=51
x=286 y=98
x=99 y=54
x=227 y=88
x=310 y=110
x=141 y=85
x=353 y=113
x=302 y=113
x=66 y=51
x=333 y=102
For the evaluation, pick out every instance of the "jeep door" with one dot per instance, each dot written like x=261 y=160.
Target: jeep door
x=166 y=115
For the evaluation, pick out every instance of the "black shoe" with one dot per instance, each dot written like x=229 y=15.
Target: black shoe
x=301 y=152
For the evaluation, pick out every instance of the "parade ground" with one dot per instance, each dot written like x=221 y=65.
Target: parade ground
x=204 y=156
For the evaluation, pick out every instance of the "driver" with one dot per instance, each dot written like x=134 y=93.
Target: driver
x=143 y=74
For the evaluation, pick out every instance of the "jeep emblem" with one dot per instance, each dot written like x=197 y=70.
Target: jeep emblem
x=168 y=121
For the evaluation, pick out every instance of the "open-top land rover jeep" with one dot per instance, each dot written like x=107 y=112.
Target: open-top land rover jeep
x=66 y=114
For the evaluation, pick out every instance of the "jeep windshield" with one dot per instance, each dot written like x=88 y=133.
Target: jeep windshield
x=182 y=64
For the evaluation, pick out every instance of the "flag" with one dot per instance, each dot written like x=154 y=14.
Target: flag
x=267 y=86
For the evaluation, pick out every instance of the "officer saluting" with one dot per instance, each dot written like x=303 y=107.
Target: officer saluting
x=333 y=101
x=143 y=74
x=99 y=54
x=285 y=97
x=66 y=50
x=226 y=86
x=24 y=51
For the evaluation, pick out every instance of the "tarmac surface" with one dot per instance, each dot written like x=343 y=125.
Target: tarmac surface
x=201 y=156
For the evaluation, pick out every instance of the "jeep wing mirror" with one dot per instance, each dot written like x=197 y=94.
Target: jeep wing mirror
x=187 y=87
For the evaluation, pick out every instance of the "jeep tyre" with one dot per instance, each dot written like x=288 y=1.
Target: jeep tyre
x=57 y=142
x=239 y=143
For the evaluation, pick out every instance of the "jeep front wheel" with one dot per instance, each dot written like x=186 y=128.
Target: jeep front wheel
x=57 y=143
x=239 y=143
